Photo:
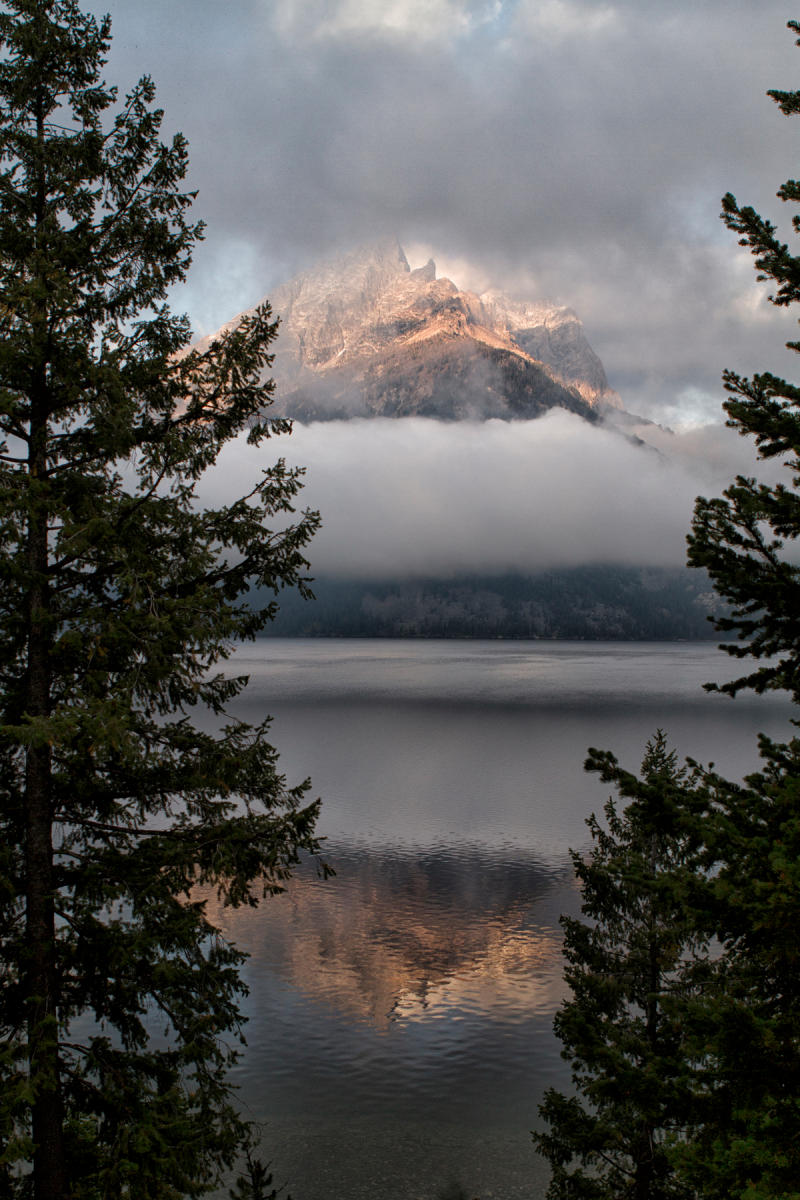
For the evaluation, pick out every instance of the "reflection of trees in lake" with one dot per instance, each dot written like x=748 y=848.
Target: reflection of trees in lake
x=409 y=936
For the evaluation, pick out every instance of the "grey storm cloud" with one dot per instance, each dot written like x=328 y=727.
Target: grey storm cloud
x=572 y=149
x=417 y=497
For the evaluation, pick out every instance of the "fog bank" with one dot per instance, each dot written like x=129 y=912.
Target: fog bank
x=415 y=497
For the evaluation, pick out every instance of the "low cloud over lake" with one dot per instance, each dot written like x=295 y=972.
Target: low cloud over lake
x=416 y=497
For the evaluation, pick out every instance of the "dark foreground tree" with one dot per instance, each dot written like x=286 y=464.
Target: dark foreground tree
x=119 y=597
x=682 y=1028
x=632 y=965
x=743 y=1025
x=256 y=1180
x=747 y=542
x=726 y=1110
x=741 y=538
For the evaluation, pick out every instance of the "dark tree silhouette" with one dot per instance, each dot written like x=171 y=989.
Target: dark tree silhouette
x=119 y=599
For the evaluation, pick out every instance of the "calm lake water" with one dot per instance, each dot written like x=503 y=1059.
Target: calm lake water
x=399 y=1036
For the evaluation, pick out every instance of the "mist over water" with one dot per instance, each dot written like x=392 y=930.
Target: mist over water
x=415 y=497
x=400 y=1014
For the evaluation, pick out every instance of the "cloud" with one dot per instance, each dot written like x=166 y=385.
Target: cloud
x=416 y=20
x=574 y=148
x=415 y=497
x=558 y=19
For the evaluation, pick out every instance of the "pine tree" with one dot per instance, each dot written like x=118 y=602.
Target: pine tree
x=743 y=1024
x=632 y=962
x=749 y=1144
x=723 y=1120
x=741 y=537
x=119 y=600
x=256 y=1181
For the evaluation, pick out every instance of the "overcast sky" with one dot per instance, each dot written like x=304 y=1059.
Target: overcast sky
x=575 y=149
x=572 y=150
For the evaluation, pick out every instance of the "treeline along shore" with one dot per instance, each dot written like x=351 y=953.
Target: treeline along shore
x=597 y=603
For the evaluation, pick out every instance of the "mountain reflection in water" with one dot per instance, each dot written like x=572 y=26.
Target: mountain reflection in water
x=400 y=1014
x=396 y=938
x=400 y=1019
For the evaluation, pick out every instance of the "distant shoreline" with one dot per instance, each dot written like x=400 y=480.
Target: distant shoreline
x=597 y=603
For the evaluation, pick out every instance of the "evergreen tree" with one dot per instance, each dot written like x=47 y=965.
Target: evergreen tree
x=632 y=963
x=749 y=1144
x=256 y=1181
x=740 y=538
x=743 y=1023
x=718 y=1098
x=119 y=600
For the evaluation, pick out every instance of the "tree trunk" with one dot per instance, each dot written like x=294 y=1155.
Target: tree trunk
x=42 y=981
x=645 y=1163
x=48 y=1157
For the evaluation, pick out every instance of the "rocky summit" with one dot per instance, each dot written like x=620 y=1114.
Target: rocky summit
x=363 y=335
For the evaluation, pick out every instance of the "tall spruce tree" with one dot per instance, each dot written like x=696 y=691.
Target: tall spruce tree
x=632 y=965
x=749 y=1146
x=743 y=1024
x=740 y=538
x=119 y=599
x=719 y=1097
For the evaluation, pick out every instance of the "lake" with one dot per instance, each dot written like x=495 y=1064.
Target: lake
x=399 y=1036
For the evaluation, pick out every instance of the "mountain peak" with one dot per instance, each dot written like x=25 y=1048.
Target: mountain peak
x=426 y=274
x=364 y=335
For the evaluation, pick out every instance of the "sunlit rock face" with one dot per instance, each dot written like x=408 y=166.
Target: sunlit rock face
x=554 y=335
x=364 y=335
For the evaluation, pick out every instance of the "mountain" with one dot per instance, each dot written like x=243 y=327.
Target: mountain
x=364 y=335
